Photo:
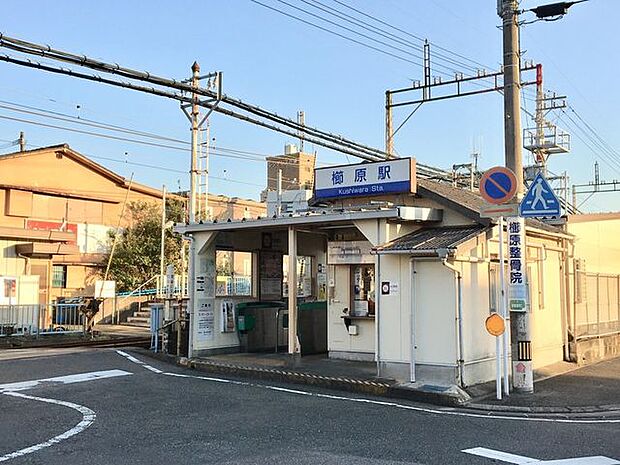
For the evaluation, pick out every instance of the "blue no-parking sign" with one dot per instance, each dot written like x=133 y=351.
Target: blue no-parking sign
x=498 y=185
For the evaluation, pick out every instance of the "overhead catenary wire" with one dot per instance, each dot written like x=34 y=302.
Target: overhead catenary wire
x=319 y=137
x=312 y=135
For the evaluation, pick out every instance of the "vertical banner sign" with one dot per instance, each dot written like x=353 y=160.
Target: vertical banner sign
x=517 y=290
x=522 y=376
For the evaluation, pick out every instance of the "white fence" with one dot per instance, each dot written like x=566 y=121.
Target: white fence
x=175 y=289
x=597 y=304
x=24 y=320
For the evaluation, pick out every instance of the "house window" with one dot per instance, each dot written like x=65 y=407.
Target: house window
x=234 y=273
x=59 y=276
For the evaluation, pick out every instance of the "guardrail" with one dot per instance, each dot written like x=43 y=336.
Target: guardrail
x=36 y=319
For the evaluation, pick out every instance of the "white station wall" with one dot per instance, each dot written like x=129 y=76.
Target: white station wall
x=434 y=300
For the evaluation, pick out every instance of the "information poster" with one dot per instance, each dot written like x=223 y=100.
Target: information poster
x=271 y=275
x=205 y=321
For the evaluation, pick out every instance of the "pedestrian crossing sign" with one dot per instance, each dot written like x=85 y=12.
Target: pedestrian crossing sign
x=540 y=200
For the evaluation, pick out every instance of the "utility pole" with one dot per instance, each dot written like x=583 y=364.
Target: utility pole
x=198 y=209
x=279 y=194
x=22 y=141
x=301 y=120
x=162 y=250
x=522 y=374
x=512 y=87
x=193 y=184
x=389 y=132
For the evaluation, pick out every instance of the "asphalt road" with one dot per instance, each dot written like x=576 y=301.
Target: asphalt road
x=154 y=418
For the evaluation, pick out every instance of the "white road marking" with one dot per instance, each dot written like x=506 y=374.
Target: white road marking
x=520 y=460
x=88 y=417
x=69 y=379
x=499 y=455
x=449 y=412
x=133 y=359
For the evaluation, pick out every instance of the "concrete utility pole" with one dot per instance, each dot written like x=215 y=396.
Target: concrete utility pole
x=519 y=321
x=193 y=185
x=199 y=192
x=22 y=141
x=162 y=250
x=512 y=87
x=389 y=132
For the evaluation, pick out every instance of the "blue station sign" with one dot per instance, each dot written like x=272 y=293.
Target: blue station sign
x=394 y=176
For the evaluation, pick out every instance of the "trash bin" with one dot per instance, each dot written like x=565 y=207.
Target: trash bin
x=259 y=326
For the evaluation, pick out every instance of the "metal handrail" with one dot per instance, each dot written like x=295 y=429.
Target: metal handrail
x=136 y=289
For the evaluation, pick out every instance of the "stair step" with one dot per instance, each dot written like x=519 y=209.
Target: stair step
x=142 y=314
x=139 y=319
x=138 y=325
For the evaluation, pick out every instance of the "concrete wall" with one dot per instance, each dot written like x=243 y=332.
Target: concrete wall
x=596 y=241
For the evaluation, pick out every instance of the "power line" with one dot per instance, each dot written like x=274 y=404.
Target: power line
x=398 y=57
x=408 y=33
x=598 y=154
x=382 y=32
x=214 y=152
x=596 y=134
x=161 y=168
x=87 y=122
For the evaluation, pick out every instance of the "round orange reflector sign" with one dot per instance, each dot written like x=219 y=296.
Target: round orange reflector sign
x=495 y=324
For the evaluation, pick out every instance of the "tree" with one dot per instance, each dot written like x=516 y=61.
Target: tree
x=137 y=253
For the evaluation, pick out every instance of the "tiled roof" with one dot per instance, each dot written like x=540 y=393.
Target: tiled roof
x=468 y=203
x=462 y=200
x=429 y=240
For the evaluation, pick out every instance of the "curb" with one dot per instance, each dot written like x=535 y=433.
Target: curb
x=611 y=410
x=377 y=388
x=347 y=384
x=138 y=341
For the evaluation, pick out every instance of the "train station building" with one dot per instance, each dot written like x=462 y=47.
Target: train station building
x=389 y=268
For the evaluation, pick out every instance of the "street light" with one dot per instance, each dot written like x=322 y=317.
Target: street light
x=553 y=9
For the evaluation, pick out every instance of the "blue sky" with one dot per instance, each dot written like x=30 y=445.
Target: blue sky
x=285 y=66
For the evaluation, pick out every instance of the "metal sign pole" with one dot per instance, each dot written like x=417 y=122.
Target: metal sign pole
x=502 y=304
x=502 y=311
x=498 y=367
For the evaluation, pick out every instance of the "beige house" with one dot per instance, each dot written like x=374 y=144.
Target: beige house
x=57 y=207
